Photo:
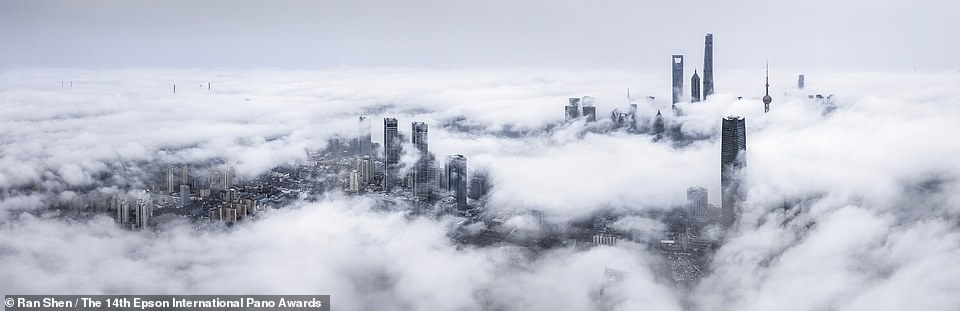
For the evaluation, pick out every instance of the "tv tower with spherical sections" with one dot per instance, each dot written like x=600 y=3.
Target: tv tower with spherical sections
x=766 y=98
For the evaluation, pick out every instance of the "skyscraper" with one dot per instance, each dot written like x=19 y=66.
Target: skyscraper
x=391 y=152
x=708 y=66
x=184 y=174
x=364 y=139
x=589 y=111
x=695 y=87
x=365 y=167
x=733 y=147
x=171 y=182
x=456 y=174
x=184 y=195
x=572 y=109
x=142 y=211
x=697 y=203
x=354 y=185
x=800 y=83
x=479 y=185
x=766 y=98
x=658 y=125
x=677 y=77
x=422 y=173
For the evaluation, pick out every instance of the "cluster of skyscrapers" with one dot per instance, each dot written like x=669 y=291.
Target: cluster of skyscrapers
x=580 y=107
x=424 y=180
x=695 y=87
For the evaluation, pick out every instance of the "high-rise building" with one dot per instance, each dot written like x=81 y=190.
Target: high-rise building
x=694 y=87
x=733 y=147
x=171 y=181
x=227 y=175
x=422 y=173
x=658 y=125
x=123 y=209
x=142 y=211
x=708 y=66
x=184 y=195
x=354 y=181
x=479 y=185
x=697 y=203
x=184 y=174
x=572 y=109
x=391 y=152
x=365 y=167
x=677 y=78
x=766 y=98
x=589 y=111
x=456 y=174
x=800 y=83
x=364 y=138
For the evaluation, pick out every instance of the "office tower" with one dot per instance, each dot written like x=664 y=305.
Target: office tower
x=695 y=87
x=697 y=203
x=391 y=152
x=184 y=195
x=733 y=147
x=456 y=174
x=572 y=110
x=171 y=181
x=766 y=98
x=589 y=111
x=708 y=66
x=677 y=77
x=422 y=173
x=364 y=138
x=800 y=82
x=391 y=141
x=658 y=126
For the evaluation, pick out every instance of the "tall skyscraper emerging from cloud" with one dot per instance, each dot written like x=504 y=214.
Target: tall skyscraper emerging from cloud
x=733 y=146
x=456 y=174
x=589 y=111
x=364 y=139
x=708 y=66
x=800 y=82
x=422 y=173
x=694 y=87
x=677 y=77
x=572 y=109
x=391 y=151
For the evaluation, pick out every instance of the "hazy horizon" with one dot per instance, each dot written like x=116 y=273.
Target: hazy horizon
x=815 y=35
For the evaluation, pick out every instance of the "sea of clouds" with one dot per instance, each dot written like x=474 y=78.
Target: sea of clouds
x=872 y=188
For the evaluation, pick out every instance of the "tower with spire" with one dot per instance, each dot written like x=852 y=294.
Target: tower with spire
x=766 y=98
x=695 y=87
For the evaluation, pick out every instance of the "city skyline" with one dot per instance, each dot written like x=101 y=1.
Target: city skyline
x=413 y=155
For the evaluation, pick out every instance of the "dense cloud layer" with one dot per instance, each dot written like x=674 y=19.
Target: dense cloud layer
x=874 y=184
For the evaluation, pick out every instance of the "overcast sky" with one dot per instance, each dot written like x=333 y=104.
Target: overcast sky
x=874 y=35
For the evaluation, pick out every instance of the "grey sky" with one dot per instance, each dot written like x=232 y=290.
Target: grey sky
x=853 y=35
